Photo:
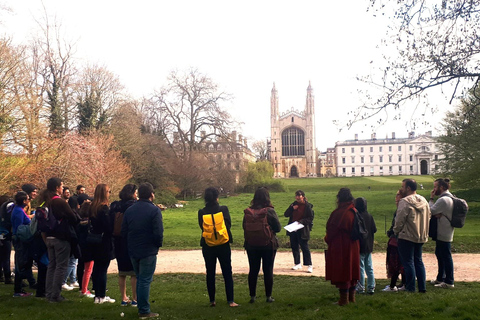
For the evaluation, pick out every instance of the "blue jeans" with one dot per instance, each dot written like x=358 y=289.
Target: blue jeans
x=366 y=266
x=445 y=262
x=144 y=269
x=72 y=270
x=411 y=256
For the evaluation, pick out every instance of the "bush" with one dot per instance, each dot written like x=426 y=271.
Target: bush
x=260 y=174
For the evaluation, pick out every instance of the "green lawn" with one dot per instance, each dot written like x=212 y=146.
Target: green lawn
x=184 y=296
x=182 y=231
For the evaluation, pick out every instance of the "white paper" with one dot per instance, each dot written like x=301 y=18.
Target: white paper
x=292 y=227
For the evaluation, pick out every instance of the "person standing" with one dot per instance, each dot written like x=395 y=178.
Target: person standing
x=142 y=229
x=342 y=261
x=221 y=252
x=366 y=248
x=260 y=224
x=300 y=211
x=442 y=210
x=411 y=229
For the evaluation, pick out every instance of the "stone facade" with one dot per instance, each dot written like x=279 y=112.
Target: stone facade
x=292 y=144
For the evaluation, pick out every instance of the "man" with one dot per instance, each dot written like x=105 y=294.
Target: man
x=411 y=228
x=142 y=228
x=442 y=210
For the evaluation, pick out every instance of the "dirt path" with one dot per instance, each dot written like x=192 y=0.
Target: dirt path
x=467 y=266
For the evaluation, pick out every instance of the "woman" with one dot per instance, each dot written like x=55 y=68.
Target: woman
x=260 y=241
x=343 y=256
x=127 y=196
x=300 y=211
x=103 y=251
x=394 y=265
x=221 y=252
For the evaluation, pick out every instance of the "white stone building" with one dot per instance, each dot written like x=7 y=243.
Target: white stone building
x=292 y=143
x=415 y=155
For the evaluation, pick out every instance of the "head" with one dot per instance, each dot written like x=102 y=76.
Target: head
x=361 y=204
x=21 y=198
x=300 y=196
x=344 y=195
x=73 y=203
x=409 y=187
x=128 y=192
x=31 y=190
x=100 y=197
x=83 y=198
x=261 y=199
x=398 y=196
x=55 y=185
x=66 y=193
x=146 y=192
x=440 y=186
x=210 y=196
x=80 y=189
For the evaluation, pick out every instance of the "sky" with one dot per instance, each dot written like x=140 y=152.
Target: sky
x=244 y=46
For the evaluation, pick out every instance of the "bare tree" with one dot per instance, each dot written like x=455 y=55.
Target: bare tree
x=437 y=46
x=261 y=150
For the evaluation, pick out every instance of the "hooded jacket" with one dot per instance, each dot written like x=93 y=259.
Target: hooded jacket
x=412 y=220
x=366 y=245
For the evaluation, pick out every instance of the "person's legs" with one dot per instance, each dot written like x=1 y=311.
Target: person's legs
x=294 y=244
x=52 y=264
x=72 y=266
x=122 y=285
x=20 y=264
x=133 y=283
x=210 y=257
x=224 y=257
x=445 y=255
x=88 y=269
x=419 y=267
x=307 y=256
x=41 y=278
x=254 y=260
x=440 y=261
x=361 y=282
x=99 y=275
x=406 y=251
x=268 y=258
x=369 y=272
x=144 y=269
x=5 y=253
x=62 y=254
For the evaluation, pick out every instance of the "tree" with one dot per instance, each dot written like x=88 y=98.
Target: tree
x=260 y=148
x=460 y=143
x=437 y=46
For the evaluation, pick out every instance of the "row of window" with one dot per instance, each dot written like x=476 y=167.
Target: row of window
x=362 y=169
x=380 y=159
x=380 y=149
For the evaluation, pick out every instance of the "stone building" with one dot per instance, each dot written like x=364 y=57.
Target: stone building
x=292 y=143
x=326 y=165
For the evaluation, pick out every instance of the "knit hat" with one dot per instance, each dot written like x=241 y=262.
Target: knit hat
x=29 y=188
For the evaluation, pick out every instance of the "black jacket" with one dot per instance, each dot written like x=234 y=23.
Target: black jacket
x=366 y=246
x=307 y=219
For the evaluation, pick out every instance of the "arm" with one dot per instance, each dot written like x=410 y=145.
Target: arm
x=200 y=219
x=273 y=221
x=401 y=217
x=289 y=211
x=226 y=217
x=157 y=224
x=438 y=208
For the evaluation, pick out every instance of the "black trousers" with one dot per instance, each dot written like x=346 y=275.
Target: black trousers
x=255 y=258
x=297 y=243
x=99 y=277
x=5 y=252
x=223 y=254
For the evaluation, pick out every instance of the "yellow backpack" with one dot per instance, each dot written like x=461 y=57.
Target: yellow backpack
x=214 y=230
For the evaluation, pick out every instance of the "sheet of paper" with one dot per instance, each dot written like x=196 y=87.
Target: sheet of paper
x=292 y=227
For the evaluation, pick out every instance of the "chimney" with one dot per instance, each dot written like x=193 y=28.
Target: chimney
x=356 y=136
x=240 y=138
x=429 y=133
x=234 y=136
x=245 y=140
x=411 y=135
x=374 y=136
x=393 y=135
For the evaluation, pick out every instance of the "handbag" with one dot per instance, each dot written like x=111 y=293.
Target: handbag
x=93 y=238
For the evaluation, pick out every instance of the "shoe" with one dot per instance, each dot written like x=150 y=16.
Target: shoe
x=371 y=291
x=147 y=315
x=252 y=299
x=125 y=303
x=108 y=299
x=359 y=288
x=98 y=300
x=66 y=287
x=213 y=304
x=233 y=304
x=297 y=267
x=134 y=303
x=310 y=269
x=388 y=289
x=445 y=285
x=434 y=282
x=87 y=295
x=402 y=288
x=75 y=284
x=56 y=300
x=270 y=299
x=21 y=294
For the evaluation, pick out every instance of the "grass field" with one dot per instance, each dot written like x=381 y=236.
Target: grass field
x=184 y=296
x=182 y=231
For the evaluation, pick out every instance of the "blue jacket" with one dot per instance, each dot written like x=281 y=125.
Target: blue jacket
x=142 y=228
x=18 y=217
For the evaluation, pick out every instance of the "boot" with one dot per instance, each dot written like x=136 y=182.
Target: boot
x=351 y=295
x=343 y=297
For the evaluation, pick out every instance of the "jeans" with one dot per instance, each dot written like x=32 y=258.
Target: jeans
x=99 y=277
x=297 y=243
x=411 y=256
x=144 y=269
x=58 y=254
x=366 y=266
x=72 y=270
x=443 y=253
x=255 y=258
x=22 y=263
x=223 y=254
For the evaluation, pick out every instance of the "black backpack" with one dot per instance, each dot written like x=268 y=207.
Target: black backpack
x=6 y=218
x=359 y=230
x=460 y=210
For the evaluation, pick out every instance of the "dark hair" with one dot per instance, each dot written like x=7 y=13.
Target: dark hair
x=73 y=203
x=145 y=190
x=210 y=195
x=4 y=198
x=85 y=210
x=344 y=195
x=100 y=198
x=445 y=183
x=361 y=204
x=128 y=192
x=53 y=184
x=20 y=197
x=410 y=183
x=261 y=199
x=65 y=189
x=80 y=187
x=300 y=193
x=29 y=188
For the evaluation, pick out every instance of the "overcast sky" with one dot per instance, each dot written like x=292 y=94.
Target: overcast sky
x=244 y=46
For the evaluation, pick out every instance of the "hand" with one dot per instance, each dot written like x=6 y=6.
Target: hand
x=432 y=194
x=295 y=207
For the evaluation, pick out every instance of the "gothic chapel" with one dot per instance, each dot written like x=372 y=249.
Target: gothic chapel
x=292 y=142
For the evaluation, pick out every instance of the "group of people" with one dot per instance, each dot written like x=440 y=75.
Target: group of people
x=92 y=230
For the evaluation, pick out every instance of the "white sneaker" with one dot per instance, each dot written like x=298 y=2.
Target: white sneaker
x=445 y=285
x=75 y=284
x=310 y=269
x=87 y=294
x=388 y=289
x=297 y=267
x=402 y=288
x=435 y=281
x=66 y=287
x=99 y=300
x=108 y=299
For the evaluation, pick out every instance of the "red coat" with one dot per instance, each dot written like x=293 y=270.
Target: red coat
x=342 y=262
